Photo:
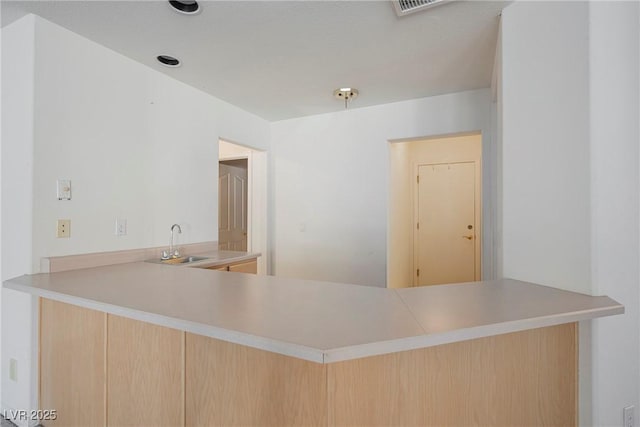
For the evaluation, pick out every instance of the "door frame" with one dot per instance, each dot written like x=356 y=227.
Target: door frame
x=256 y=196
x=400 y=205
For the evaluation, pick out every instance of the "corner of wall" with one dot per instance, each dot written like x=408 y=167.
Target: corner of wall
x=18 y=61
x=1 y=401
x=614 y=107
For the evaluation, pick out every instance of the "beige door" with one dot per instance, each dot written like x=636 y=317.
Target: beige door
x=445 y=238
x=232 y=205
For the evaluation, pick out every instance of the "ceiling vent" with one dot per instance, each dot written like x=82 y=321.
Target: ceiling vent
x=405 y=7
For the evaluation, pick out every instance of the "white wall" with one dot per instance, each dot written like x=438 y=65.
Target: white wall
x=1 y=360
x=330 y=182
x=570 y=175
x=496 y=129
x=17 y=182
x=614 y=135
x=136 y=144
x=546 y=166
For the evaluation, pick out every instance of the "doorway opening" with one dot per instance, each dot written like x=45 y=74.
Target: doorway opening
x=242 y=200
x=435 y=211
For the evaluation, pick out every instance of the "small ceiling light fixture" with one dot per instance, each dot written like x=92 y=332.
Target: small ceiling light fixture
x=188 y=7
x=168 y=61
x=347 y=94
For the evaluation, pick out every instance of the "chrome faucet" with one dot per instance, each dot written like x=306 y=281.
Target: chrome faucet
x=173 y=253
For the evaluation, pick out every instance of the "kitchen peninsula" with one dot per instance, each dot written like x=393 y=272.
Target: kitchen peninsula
x=146 y=344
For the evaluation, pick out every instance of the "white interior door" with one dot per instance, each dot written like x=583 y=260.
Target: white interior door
x=445 y=238
x=232 y=205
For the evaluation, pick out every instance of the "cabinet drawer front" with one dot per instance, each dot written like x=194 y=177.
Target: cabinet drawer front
x=245 y=267
x=241 y=267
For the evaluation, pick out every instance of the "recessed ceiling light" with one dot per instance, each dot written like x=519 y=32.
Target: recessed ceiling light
x=188 y=7
x=168 y=61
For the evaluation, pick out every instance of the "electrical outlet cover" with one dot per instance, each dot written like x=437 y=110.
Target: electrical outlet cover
x=121 y=227
x=64 y=228
x=13 y=369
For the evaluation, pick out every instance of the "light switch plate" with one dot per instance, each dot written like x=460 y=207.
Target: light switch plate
x=64 y=189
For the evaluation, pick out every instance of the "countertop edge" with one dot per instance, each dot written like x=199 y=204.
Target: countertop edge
x=275 y=346
x=465 y=334
x=325 y=355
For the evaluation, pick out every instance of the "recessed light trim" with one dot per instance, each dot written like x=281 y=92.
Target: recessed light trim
x=168 y=61
x=185 y=6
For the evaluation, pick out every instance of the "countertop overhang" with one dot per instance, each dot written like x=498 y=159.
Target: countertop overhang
x=317 y=321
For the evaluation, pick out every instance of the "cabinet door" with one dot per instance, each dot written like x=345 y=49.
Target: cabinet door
x=233 y=385
x=144 y=371
x=245 y=267
x=241 y=267
x=72 y=364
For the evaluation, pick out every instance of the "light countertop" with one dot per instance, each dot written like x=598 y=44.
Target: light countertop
x=317 y=321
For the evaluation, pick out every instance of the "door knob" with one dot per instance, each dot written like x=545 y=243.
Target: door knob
x=468 y=237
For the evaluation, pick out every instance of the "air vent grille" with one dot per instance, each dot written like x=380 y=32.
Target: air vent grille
x=405 y=7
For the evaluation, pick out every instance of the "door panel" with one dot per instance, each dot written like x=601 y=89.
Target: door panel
x=224 y=224
x=446 y=228
x=232 y=205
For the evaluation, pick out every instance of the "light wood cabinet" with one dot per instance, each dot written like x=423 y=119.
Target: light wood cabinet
x=89 y=358
x=72 y=364
x=239 y=267
x=144 y=374
x=245 y=267
x=526 y=378
x=98 y=369
x=234 y=385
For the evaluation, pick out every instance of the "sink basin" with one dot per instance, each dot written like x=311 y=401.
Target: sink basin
x=180 y=260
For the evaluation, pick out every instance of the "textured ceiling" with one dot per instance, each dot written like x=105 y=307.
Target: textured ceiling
x=280 y=59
